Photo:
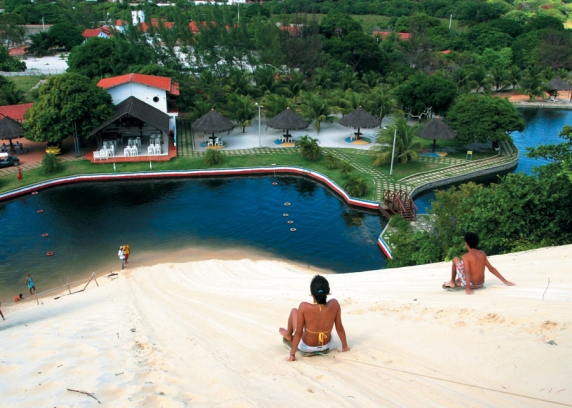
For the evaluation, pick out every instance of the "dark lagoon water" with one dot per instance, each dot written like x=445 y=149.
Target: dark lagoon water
x=542 y=127
x=87 y=222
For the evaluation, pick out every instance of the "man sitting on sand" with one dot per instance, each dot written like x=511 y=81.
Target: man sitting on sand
x=310 y=326
x=472 y=267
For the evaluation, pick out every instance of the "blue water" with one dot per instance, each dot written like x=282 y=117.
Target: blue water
x=86 y=224
x=542 y=127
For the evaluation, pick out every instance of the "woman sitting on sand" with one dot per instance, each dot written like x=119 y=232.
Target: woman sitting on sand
x=310 y=326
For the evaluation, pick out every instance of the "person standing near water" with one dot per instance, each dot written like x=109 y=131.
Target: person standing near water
x=30 y=284
x=126 y=252
x=20 y=177
x=121 y=256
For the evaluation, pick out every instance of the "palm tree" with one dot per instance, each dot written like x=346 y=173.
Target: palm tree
x=349 y=80
x=380 y=103
x=514 y=76
x=480 y=79
x=406 y=147
x=332 y=162
x=200 y=108
x=499 y=78
x=241 y=109
x=322 y=78
x=296 y=84
x=238 y=81
x=267 y=80
x=309 y=148
x=346 y=102
x=356 y=186
x=315 y=108
x=533 y=83
x=462 y=78
x=372 y=79
x=275 y=103
x=10 y=95
x=40 y=44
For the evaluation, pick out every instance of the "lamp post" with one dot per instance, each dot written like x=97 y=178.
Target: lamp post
x=393 y=152
x=259 y=135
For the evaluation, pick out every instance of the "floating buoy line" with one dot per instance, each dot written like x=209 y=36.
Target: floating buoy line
x=45 y=234
x=50 y=254
x=293 y=229
x=287 y=204
x=285 y=214
x=40 y=211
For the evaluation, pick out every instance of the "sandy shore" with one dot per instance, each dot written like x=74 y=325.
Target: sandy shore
x=204 y=333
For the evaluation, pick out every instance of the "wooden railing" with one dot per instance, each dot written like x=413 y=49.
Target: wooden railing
x=399 y=202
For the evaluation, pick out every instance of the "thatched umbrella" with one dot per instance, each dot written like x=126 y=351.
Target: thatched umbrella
x=10 y=129
x=213 y=122
x=558 y=84
x=437 y=129
x=360 y=118
x=288 y=120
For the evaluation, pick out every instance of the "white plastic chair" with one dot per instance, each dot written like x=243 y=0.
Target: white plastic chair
x=96 y=155
x=127 y=151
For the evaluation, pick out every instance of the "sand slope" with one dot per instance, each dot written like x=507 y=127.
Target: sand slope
x=205 y=334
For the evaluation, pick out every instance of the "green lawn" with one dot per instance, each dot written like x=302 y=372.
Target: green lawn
x=25 y=83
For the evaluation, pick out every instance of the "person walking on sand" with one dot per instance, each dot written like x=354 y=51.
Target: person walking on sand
x=121 y=256
x=126 y=252
x=310 y=326
x=20 y=177
x=471 y=268
x=30 y=284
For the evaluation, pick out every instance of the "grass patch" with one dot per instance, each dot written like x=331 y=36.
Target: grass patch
x=25 y=83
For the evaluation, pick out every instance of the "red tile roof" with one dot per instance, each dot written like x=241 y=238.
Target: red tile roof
x=292 y=30
x=18 y=51
x=149 y=80
x=15 y=112
x=120 y=22
x=194 y=28
x=155 y=23
x=94 y=32
x=384 y=34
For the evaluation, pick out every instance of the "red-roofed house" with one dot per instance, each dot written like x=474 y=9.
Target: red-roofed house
x=384 y=33
x=101 y=32
x=155 y=24
x=294 y=30
x=18 y=51
x=156 y=91
x=15 y=112
x=195 y=28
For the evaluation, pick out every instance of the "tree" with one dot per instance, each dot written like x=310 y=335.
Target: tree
x=39 y=44
x=355 y=186
x=10 y=95
x=380 y=102
x=213 y=157
x=407 y=148
x=8 y=63
x=316 y=109
x=63 y=101
x=65 y=35
x=358 y=50
x=423 y=94
x=241 y=109
x=533 y=83
x=309 y=148
x=94 y=59
x=481 y=118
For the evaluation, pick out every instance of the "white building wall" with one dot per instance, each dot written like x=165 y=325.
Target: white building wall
x=154 y=97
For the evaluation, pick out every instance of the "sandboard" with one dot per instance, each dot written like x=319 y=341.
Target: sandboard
x=288 y=345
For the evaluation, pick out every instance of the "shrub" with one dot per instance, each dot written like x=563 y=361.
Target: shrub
x=213 y=157
x=51 y=164
x=355 y=186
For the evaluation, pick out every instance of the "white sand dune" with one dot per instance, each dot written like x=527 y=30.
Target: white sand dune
x=204 y=333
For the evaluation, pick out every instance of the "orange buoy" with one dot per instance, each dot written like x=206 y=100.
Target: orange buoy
x=293 y=229
x=50 y=254
x=45 y=234
x=40 y=211
x=274 y=183
x=34 y=192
